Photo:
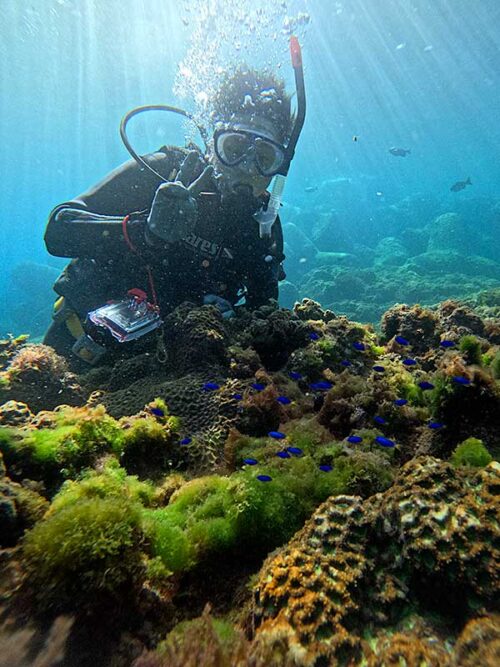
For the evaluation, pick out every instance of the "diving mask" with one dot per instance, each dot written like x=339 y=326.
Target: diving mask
x=234 y=145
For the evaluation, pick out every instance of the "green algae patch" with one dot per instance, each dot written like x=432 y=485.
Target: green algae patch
x=470 y=347
x=111 y=481
x=471 y=452
x=65 y=442
x=69 y=441
x=83 y=552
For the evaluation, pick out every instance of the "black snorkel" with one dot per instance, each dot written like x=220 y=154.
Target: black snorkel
x=267 y=217
x=154 y=107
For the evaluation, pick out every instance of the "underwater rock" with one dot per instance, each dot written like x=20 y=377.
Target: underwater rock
x=39 y=377
x=201 y=642
x=390 y=252
x=418 y=325
x=20 y=509
x=331 y=233
x=260 y=413
x=308 y=309
x=459 y=318
x=9 y=347
x=439 y=262
x=244 y=363
x=449 y=232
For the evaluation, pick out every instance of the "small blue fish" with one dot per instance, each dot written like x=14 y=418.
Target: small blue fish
x=359 y=346
x=157 y=412
x=238 y=397
x=460 y=379
x=250 y=462
x=447 y=343
x=210 y=386
x=258 y=386
x=409 y=362
x=385 y=442
x=425 y=386
x=283 y=455
x=264 y=478
x=435 y=425
x=284 y=400
x=379 y=369
x=314 y=336
x=295 y=450
x=379 y=420
x=354 y=439
x=277 y=435
x=321 y=386
x=401 y=340
x=295 y=376
x=326 y=468
x=346 y=363
x=400 y=401
x=186 y=441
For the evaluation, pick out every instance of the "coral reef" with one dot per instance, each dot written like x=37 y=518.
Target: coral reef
x=331 y=579
x=168 y=488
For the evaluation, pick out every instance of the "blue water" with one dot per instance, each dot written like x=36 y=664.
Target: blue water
x=420 y=74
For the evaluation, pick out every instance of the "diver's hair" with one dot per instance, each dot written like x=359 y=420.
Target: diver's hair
x=254 y=92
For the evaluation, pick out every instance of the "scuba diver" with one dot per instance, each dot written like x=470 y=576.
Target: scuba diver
x=180 y=224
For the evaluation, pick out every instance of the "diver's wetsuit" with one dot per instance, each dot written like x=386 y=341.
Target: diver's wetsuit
x=224 y=254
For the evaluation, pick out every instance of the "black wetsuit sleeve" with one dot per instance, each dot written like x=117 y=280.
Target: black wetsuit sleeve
x=263 y=276
x=128 y=190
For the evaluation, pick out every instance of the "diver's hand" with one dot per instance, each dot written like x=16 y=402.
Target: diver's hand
x=174 y=210
x=225 y=306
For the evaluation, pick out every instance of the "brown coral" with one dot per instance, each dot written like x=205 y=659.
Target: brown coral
x=206 y=416
x=432 y=537
x=196 y=339
x=479 y=643
x=14 y=413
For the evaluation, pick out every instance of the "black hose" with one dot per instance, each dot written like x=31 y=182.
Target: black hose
x=153 y=107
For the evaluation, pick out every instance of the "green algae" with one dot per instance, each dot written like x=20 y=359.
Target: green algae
x=83 y=551
x=471 y=452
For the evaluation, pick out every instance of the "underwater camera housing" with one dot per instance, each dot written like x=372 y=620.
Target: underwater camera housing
x=128 y=319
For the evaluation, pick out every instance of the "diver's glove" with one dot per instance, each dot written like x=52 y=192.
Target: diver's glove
x=225 y=307
x=174 y=210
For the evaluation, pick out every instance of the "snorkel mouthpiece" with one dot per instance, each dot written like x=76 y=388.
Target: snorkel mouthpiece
x=266 y=218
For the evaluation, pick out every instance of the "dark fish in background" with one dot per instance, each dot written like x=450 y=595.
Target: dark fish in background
x=311 y=188
x=399 y=152
x=460 y=185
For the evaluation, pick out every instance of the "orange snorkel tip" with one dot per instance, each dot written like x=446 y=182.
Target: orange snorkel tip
x=295 y=52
